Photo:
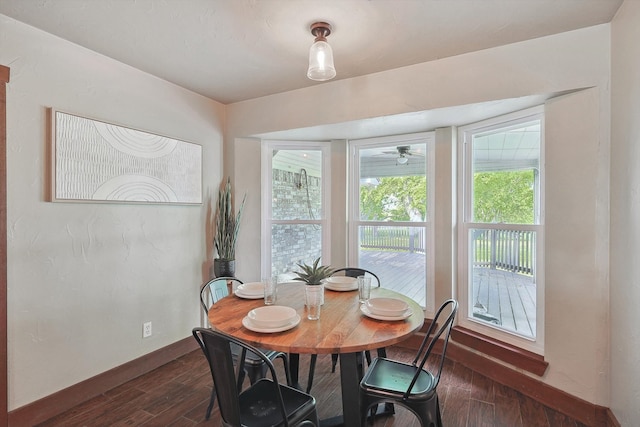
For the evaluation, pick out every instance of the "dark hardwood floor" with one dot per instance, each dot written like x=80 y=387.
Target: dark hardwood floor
x=177 y=394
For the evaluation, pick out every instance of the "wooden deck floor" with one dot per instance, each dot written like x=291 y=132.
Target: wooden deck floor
x=499 y=297
x=506 y=299
x=403 y=272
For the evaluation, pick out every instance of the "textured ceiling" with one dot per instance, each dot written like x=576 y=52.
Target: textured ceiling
x=233 y=50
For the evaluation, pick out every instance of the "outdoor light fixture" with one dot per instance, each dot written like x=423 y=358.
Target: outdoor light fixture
x=320 y=55
x=402 y=160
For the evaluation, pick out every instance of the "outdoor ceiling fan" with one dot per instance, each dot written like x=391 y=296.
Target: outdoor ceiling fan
x=403 y=152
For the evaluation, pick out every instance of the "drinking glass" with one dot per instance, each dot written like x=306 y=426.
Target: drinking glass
x=270 y=290
x=364 y=288
x=313 y=300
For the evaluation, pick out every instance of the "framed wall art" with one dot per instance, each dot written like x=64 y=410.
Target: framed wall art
x=101 y=162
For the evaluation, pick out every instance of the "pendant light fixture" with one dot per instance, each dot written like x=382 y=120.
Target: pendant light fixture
x=320 y=55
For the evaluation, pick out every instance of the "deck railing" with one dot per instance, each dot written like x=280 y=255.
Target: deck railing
x=508 y=250
x=403 y=239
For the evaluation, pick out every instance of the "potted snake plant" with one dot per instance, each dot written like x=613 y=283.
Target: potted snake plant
x=227 y=226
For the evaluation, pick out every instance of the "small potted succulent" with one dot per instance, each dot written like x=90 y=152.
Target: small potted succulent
x=313 y=275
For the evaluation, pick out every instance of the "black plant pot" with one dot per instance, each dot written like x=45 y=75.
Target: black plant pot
x=224 y=267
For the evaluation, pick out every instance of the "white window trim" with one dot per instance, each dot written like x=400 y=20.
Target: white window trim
x=464 y=217
x=266 y=190
x=353 y=174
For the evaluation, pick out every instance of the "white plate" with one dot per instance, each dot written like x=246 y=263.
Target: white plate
x=341 y=288
x=341 y=280
x=389 y=307
x=252 y=288
x=246 y=322
x=366 y=312
x=245 y=296
x=272 y=316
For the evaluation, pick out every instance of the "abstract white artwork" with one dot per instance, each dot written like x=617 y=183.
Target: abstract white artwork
x=102 y=162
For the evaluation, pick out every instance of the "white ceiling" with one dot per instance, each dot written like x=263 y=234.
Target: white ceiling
x=233 y=50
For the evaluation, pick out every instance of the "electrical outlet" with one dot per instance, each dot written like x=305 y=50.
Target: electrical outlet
x=146 y=329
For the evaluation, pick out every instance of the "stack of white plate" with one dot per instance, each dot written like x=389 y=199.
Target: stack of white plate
x=251 y=290
x=386 y=309
x=271 y=318
x=341 y=283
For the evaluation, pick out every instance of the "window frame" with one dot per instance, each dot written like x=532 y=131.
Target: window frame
x=465 y=224
x=353 y=201
x=266 y=206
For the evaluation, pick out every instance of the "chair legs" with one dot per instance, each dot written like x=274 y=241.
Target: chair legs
x=428 y=412
x=334 y=362
x=312 y=368
x=367 y=355
x=210 y=407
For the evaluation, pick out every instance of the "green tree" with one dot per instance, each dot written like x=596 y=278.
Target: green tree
x=506 y=196
x=402 y=198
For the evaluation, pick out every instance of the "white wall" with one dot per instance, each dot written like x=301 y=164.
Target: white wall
x=569 y=61
x=82 y=278
x=576 y=245
x=625 y=215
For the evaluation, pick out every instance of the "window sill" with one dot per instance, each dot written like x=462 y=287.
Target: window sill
x=510 y=354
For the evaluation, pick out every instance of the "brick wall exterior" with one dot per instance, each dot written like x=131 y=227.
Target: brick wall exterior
x=292 y=244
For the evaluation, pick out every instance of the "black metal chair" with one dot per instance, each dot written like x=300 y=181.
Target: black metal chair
x=411 y=385
x=215 y=289
x=355 y=272
x=252 y=365
x=264 y=403
x=349 y=272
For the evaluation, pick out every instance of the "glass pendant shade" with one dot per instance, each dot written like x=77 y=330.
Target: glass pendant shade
x=321 y=62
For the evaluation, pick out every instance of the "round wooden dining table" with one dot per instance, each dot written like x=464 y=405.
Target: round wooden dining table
x=342 y=329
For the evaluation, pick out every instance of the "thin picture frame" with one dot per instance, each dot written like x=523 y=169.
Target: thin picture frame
x=100 y=162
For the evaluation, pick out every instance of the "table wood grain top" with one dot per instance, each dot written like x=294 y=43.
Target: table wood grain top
x=342 y=327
